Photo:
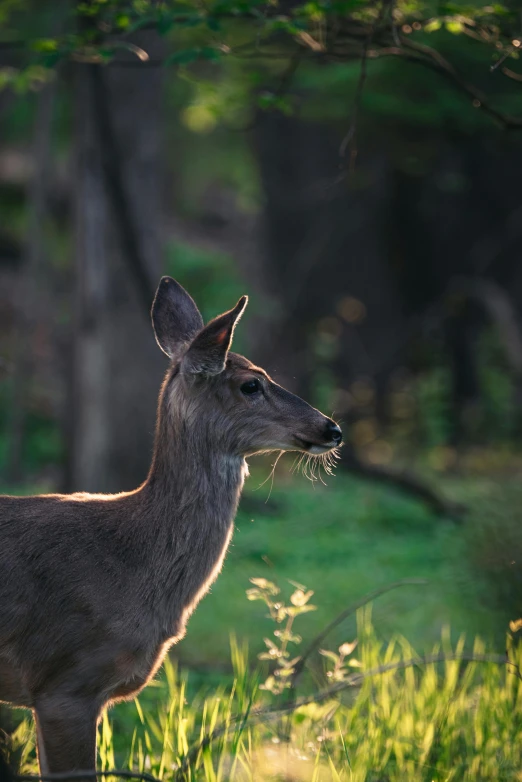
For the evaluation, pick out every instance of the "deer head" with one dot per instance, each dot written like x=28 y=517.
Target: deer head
x=221 y=396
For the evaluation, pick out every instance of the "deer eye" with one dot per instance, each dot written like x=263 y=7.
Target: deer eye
x=251 y=387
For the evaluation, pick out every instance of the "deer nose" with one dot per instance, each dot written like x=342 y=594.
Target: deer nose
x=333 y=432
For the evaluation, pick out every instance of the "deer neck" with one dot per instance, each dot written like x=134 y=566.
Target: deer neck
x=195 y=485
x=184 y=518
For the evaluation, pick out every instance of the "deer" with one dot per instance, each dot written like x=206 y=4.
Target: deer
x=95 y=588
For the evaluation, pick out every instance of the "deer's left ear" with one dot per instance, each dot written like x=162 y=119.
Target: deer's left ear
x=175 y=318
x=208 y=352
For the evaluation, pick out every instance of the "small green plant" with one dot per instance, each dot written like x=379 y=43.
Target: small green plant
x=283 y=614
x=342 y=666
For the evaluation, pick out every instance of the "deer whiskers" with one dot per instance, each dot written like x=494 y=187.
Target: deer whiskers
x=271 y=475
x=311 y=465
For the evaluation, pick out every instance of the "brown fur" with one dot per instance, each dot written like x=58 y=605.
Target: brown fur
x=95 y=588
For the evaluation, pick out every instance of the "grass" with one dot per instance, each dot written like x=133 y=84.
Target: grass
x=451 y=721
x=440 y=721
x=344 y=540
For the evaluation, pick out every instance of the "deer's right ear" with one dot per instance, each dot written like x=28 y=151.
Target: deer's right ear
x=175 y=318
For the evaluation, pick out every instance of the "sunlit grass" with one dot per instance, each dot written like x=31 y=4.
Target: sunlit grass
x=447 y=721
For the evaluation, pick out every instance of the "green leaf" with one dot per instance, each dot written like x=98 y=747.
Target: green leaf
x=192 y=20
x=45 y=45
x=210 y=53
x=288 y=637
x=183 y=57
x=266 y=100
x=330 y=655
x=122 y=21
x=106 y=53
x=296 y=610
x=300 y=598
x=454 y=27
x=269 y=684
x=432 y=26
x=263 y=583
x=347 y=648
x=86 y=9
x=164 y=24
x=143 y=21
x=52 y=59
x=284 y=672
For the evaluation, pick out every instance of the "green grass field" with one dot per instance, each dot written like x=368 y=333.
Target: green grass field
x=431 y=721
x=344 y=540
x=446 y=721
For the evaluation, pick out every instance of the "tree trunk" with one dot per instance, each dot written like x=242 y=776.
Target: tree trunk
x=323 y=249
x=29 y=290
x=91 y=422
x=118 y=366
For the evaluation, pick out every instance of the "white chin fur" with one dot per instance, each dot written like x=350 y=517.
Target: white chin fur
x=317 y=449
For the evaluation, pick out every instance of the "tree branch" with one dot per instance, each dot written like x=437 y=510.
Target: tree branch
x=427 y=57
x=350 y=135
x=404 y=481
x=315 y=643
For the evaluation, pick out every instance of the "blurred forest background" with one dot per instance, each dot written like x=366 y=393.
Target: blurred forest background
x=371 y=208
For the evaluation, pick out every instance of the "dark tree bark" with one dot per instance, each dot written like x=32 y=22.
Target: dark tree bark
x=118 y=366
x=324 y=244
x=90 y=430
x=31 y=283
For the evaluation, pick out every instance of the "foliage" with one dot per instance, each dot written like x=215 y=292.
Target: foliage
x=269 y=34
x=437 y=721
x=278 y=651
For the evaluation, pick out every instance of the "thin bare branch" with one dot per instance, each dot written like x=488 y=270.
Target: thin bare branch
x=512 y=74
x=406 y=482
x=427 y=57
x=282 y=88
x=350 y=135
x=316 y=642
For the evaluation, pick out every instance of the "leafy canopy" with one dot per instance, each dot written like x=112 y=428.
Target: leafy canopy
x=443 y=37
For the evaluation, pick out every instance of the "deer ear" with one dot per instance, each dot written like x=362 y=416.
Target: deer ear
x=208 y=352
x=175 y=318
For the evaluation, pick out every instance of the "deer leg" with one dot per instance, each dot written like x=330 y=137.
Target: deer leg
x=66 y=731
